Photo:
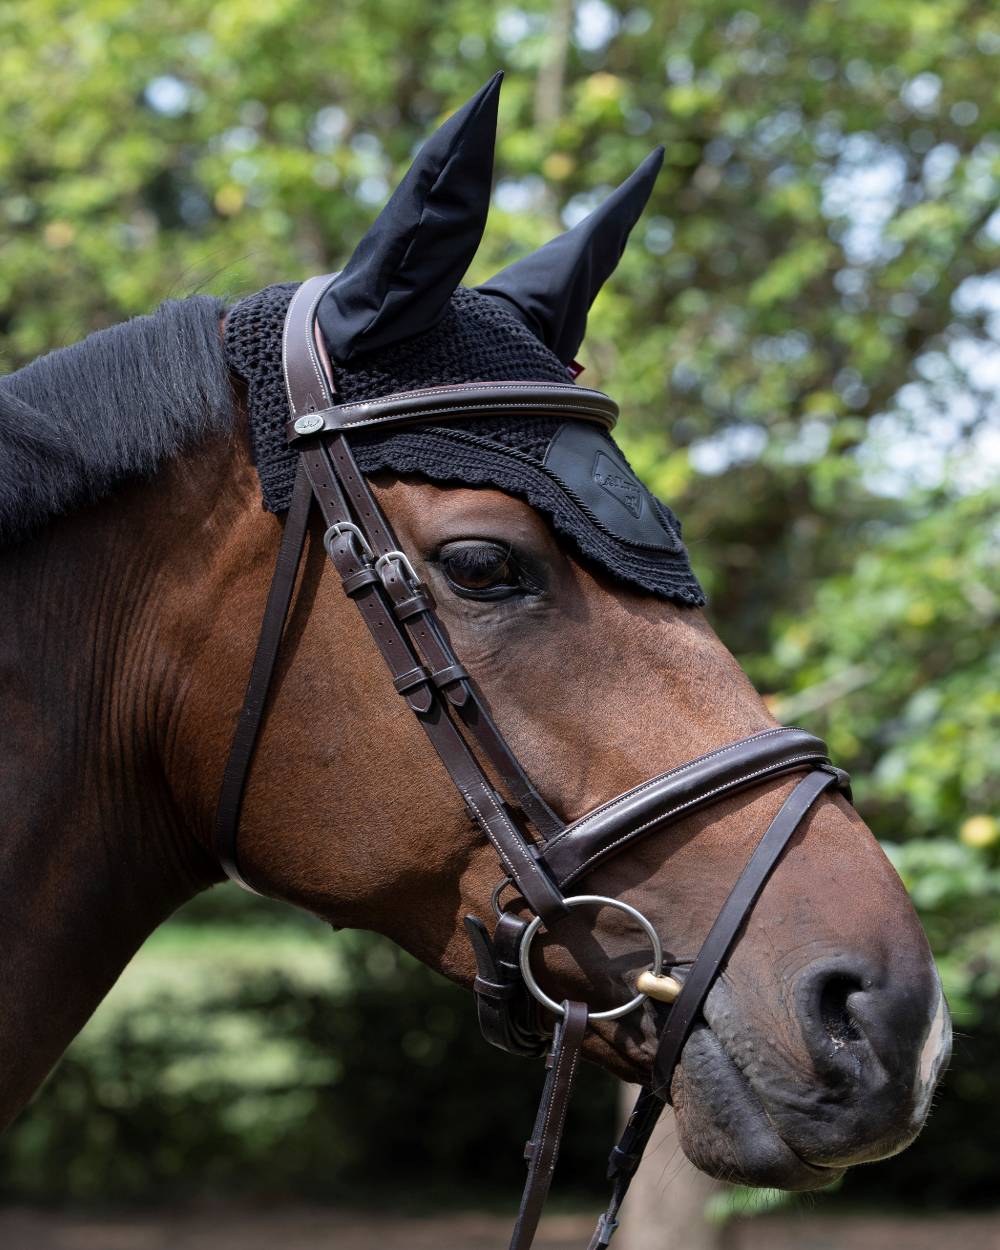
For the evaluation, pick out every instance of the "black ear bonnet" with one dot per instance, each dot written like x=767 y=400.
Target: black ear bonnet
x=395 y=319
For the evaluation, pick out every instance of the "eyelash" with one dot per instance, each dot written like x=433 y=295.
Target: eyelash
x=480 y=559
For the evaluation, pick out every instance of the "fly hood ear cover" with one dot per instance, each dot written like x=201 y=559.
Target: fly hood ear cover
x=404 y=271
x=552 y=290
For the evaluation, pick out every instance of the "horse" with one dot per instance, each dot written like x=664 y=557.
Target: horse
x=135 y=572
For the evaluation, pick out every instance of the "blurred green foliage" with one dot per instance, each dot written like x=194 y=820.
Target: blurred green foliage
x=803 y=336
x=249 y=1052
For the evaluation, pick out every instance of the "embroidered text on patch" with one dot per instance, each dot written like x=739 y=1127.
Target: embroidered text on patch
x=608 y=475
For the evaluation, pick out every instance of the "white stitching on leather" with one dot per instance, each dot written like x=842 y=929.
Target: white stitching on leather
x=672 y=772
x=309 y=345
x=555 y=1086
x=462 y=409
x=499 y=849
x=783 y=765
x=512 y=384
x=310 y=342
x=284 y=353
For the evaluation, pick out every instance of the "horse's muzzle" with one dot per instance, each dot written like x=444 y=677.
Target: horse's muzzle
x=853 y=1087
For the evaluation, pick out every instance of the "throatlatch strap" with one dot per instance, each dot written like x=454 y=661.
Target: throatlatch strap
x=279 y=598
x=737 y=907
x=542 y=1149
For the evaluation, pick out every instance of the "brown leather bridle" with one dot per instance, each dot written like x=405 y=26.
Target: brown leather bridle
x=540 y=854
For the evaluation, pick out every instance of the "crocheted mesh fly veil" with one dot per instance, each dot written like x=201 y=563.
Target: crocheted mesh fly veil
x=395 y=319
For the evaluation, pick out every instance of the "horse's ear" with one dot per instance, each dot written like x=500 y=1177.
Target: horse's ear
x=552 y=289
x=406 y=268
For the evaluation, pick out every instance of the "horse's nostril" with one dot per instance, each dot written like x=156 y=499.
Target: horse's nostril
x=834 y=1008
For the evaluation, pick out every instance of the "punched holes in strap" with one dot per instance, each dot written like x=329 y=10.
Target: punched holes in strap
x=332 y=471
x=430 y=639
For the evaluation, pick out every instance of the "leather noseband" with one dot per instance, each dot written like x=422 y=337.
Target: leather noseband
x=540 y=854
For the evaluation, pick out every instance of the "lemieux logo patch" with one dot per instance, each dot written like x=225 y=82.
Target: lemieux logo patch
x=619 y=486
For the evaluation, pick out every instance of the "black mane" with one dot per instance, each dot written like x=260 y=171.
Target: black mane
x=78 y=421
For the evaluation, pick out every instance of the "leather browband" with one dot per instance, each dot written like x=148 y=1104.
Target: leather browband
x=664 y=799
x=460 y=402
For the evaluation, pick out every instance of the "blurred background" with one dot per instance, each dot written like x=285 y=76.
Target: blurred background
x=803 y=336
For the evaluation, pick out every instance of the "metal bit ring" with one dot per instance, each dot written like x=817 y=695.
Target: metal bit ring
x=598 y=900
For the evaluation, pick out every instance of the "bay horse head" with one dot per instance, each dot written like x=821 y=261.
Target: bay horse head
x=557 y=701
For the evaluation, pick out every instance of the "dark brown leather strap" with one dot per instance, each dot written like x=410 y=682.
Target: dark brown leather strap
x=414 y=605
x=413 y=681
x=279 y=598
x=430 y=637
x=435 y=404
x=362 y=583
x=508 y=1015
x=665 y=799
x=737 y=907
x=542 y=1148
x=625 y=1159
x=399 y=613
x=309 y=386
x=305 y=377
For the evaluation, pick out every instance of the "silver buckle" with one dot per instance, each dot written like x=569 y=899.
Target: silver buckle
x=348 y=527
x=401 y=558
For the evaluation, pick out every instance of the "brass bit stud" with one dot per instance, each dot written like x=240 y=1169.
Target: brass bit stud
x=663 y=988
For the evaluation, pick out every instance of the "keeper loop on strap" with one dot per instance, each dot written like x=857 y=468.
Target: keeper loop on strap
x=418 y=602
x=495 y=989
x=353 y=583
x=408 y=573
x=408 y=681
x=448 y=676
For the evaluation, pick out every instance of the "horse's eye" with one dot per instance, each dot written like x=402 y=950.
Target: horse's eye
x=481 y=570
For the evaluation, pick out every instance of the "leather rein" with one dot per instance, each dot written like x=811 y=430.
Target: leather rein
x=540 y=854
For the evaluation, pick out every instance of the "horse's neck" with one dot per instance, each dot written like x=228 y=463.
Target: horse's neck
x=93 y=848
